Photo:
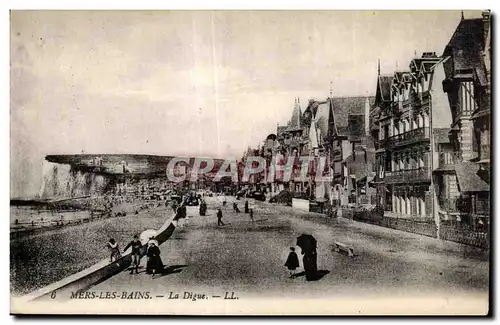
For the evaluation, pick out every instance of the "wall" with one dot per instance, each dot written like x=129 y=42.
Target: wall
x=441 y=112
x=346 y=148
x=96 y=273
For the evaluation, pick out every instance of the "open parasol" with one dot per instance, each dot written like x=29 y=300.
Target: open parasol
x=307 y=242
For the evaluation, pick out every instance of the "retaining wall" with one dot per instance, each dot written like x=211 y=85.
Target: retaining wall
x=99 y=272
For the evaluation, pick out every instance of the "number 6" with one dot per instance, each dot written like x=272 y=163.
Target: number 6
x=53 y=295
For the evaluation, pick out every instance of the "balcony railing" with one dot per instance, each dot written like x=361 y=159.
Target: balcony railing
x=408 y=137
x=385 y=142
x=447 y=159
x=421 y=174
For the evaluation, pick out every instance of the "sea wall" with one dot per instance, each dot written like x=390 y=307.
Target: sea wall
x=83 y=280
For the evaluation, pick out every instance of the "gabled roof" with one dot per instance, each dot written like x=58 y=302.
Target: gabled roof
x=344 y=106
x=423 y=64
x=427 y=66
x=401 y=76
x=356 y=127
x=466 y=44
x=469 y=178
x=415 y=64
x=383 y=89
x=294 y=122
x=322 y=118
x=407 y=77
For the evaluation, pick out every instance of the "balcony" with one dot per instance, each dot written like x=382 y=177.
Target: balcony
x=421 y=174
x=396 y=108
x=407 y=137
x=448 y=159
x=385 y=142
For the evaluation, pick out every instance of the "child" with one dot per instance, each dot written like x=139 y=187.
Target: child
x=219 y=218
x=235 y=207
x=292 y=262
x=136 y=253
x=114 y=250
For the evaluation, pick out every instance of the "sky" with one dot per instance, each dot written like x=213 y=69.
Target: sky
x=197 y=83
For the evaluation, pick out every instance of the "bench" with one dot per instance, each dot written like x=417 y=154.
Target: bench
x=339 y=247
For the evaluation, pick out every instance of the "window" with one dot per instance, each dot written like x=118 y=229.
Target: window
x=386 y=132
x=337 y=167
x=388 y=162
x=425 y=119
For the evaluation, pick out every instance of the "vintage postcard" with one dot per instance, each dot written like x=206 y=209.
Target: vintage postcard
x=250 y=162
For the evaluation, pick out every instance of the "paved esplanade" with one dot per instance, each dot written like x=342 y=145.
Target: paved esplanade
x=248 y=259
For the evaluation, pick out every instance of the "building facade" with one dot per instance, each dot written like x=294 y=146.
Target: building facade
x=352 y=151
x=408 y=115
x=465 y=188
x=432 y=129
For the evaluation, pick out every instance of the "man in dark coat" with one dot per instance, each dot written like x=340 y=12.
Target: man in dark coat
x=203 y=208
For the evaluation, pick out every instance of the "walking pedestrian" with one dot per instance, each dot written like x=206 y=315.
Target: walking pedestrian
x=219 y=218
x=203 y=208
x=155 y=264
x=136 y=253
x=235 y=207
x=246 y=207
x=114 y=250
x=252 y=207
x=292 y=262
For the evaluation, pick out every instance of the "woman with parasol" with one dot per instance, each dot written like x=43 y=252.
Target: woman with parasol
x=308 y=245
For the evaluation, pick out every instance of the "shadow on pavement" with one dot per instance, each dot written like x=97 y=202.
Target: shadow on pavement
x=171 y=269
x=319 y=275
